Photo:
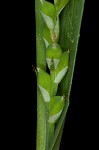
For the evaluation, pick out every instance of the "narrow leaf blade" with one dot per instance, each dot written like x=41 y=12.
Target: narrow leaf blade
x=70 y=23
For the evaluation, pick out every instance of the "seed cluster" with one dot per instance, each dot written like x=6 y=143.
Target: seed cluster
x=57 y=61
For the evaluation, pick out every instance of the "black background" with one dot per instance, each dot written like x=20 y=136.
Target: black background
x=19 y=82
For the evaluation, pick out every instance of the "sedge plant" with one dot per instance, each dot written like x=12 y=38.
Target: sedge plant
x=57 y=33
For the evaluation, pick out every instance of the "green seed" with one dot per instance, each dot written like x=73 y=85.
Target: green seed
x=57 y=104
x=49 y=10
x=53 y=51
x=44 y=79
x=46 y=34
x=53 y=55
x=44 y=83
x=58 y=74
x=55 y=100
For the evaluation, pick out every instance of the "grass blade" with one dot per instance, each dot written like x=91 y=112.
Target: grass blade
x=70 y=23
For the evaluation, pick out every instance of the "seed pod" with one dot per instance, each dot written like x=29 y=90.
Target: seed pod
x=44 y=83
x=60 y=71
x=60 y=4
x=56 y=106
x=53 y=55
x=48 y=12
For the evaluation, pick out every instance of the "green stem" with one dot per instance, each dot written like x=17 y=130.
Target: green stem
x=40 y=48
x=54 y=86
x=49 y=128
x=51 y=132
x=41 y=123
x=40 y=45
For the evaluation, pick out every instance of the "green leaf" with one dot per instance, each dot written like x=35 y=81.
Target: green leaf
x=58 y=139
x=70 y=23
